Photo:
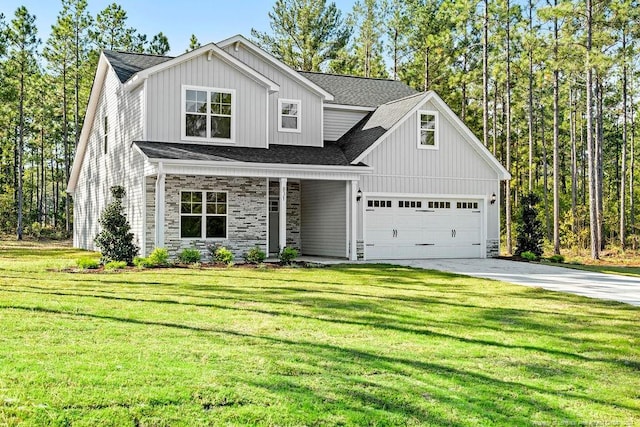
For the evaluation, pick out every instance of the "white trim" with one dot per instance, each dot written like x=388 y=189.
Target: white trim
x=269 y=166
x=322 y=125
x=271 y=59
x=208 y=114
x=209 y=49
x=143 y=231
x=353 y=256
x=267 y=214
x=87 y=124
x=145 y=100
x=266 y=135
x=436 y=132
x=203 y=215
x=347 y=190
x=298 y=116
x=343 y=107
x=160 y=206
x=282 y=214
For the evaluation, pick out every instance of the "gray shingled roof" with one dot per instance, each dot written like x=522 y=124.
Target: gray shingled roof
x=360 y=91
x=375 y=124
x=126 y=64
x=330 y=155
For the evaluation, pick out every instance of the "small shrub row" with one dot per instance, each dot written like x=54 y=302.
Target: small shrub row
x=87 y=263
x=255 y=256
x=158 y=258
x=288 y=255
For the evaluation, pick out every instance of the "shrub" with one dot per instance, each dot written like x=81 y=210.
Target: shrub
x=141 y=262
x=87 y=263
x=36 y=230
x=189 y=256
x=528 y=255
x=115 y=241
x=223 y=255
x=288 y=255
x=115 y=265
x=255 y=256
x=529 y=231
x=559 y=259
x=158 y=258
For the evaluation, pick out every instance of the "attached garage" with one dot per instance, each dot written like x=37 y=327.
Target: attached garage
x=424 y=227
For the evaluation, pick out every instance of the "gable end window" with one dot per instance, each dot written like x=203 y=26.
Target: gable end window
x=289 y=115
x=208 y=114
x=427 y=129
x=203 y=215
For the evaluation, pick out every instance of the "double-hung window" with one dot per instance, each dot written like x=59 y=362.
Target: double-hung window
x=289 y=115
x=427 y=129
x=208 y=114
x=203 y=215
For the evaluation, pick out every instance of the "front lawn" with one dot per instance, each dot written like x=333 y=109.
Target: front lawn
x=354 y=345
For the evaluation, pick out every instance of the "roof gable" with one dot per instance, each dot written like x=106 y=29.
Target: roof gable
x=360 y=91
x=328 y=96
x=371 y=131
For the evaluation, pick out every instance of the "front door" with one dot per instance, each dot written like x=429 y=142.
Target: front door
x=274 y=223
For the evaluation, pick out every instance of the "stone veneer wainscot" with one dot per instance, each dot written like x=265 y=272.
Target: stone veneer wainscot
x=246 y=213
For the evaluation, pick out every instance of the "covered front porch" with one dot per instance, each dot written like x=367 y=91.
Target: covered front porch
x=200 y=206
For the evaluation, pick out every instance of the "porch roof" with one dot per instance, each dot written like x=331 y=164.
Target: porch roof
x=329 y=155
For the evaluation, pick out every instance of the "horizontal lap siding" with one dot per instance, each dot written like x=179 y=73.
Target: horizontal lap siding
x=338 y=122
x=454 y=168
x=164 y=110
x=323 y=226
x=121 y=165
x=311 y=109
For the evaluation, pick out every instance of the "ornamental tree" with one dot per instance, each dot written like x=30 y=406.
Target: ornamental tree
x=115 y=241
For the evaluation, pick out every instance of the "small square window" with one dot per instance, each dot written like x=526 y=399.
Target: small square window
x=370 y=203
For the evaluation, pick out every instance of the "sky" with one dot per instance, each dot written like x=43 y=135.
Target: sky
x=209 y=20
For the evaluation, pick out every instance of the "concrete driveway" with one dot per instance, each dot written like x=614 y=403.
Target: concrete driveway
x=595 y=285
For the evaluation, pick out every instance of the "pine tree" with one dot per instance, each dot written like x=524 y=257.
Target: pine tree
x=529 y=230
x=305 y=33
x=159 y=45
x=193 y=43
x=115 y=241
x=23 y=44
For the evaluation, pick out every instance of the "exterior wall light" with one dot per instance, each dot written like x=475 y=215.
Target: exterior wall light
x=493 y=198
x=359 y=195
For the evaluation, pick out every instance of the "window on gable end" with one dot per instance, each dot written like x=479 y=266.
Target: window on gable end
x=427 y=129
x=289 y=115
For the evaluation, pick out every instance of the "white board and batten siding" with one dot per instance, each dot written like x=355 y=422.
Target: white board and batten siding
x=311 y=102
x=164 y=100
x=323 y=221
x=454 y=171
x=120 y=165
x=338 y=121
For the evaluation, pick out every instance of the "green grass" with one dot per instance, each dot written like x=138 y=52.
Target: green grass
x=348 y=345
x=607 y=269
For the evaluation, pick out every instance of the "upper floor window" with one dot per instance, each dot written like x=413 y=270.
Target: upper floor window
x=208 y=114
x=289 y=115
x=427 y=129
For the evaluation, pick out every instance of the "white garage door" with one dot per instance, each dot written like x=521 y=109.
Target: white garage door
x=405 y=228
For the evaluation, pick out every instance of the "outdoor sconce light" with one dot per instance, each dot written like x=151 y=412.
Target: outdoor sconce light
x=493 y=198
x=359 y=195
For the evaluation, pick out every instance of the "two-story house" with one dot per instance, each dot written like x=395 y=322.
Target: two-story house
x=227 y=145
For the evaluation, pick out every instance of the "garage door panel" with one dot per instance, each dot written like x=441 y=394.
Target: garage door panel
x=442 y=228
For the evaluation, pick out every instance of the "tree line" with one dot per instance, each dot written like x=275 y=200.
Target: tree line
x=547 y=85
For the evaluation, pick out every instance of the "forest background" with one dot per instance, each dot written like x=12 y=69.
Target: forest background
x=549 y=86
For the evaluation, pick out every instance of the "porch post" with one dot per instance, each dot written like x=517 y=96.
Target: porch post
x=354 y=219
x=160 y=187
x=282 y=214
